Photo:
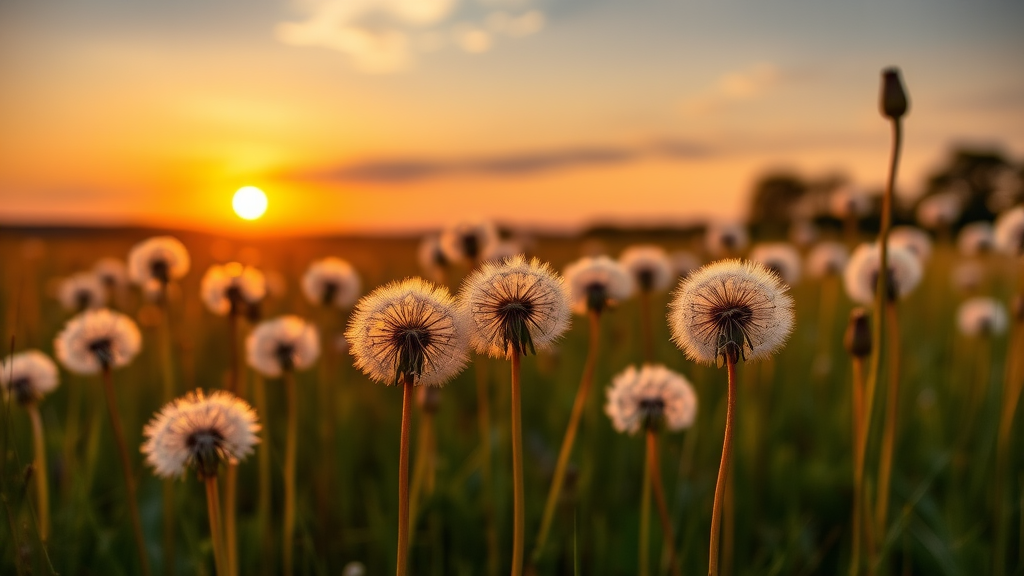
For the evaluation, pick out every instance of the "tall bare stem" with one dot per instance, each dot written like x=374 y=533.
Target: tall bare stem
x=519 y=523
x=403 y=477
x=659 y=498
x=216 y=533
x=291 y=433
x=42 y=486
x=723 y=469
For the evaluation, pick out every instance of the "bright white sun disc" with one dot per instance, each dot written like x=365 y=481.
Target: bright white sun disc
x=249 y=202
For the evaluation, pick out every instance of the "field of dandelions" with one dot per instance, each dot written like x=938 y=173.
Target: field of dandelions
x=293 y=361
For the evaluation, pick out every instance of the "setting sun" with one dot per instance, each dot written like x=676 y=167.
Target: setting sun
x=249 y=202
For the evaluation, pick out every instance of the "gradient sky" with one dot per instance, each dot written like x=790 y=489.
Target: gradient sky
x=381 y=115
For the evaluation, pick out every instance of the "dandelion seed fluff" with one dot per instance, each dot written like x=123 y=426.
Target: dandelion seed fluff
x=982 y=316
x=1009 y=232
x=649 y=266
x=469 y=240
x=725 y=238
x=331 y=282
x=684 y=262
x=111 y=271
x=514 y=304
x=82 y=291
x=200 y=432
x=28 y=376
x=912 y=238
x=501 y=250
x=848 y=202
x=96 y=339
x=651 y=396
x=431 y=257
x=975 y=239
x=939 y=210
x=597 y=282
x=157 y=260
x=230 y=285
x=779 y=257
x=731 y=301
x=827 y=259
x=284 y=344
x=861 y=275
x=408 y=329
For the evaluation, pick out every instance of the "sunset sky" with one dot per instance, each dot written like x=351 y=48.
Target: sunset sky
x=398 y=115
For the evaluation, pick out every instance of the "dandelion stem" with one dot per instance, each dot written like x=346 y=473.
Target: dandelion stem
x=231 y=478
x=420 y=470
x=483 y=418
x=42 y=487
x=167 y=487
x=659 y=498
x=858 y=462
x=518 y=529
x=1011 y=395
x=403 y=477
x=586 y=382
x=216 y=534
x=723 y=469
x=646 y=329
x=291 y=433
x=126 y=468
x=263 y=457
x=644 y=547
x=889 y=429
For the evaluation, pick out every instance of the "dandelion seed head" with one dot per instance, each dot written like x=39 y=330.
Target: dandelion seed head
x=514 y=307
x=684 y=262
x=28 y=376
x=501 y=250
x=649 y=266
x=726 y=238
x=652 y=397
x=914 y=239
x=803 y=233
x=849 y=202
x=779 y=257
x=113 y=272
x=469 y=240
x=827 y=259
x=731 y=309
x=331 y=282
x=431 y=257
x=861 y=274
x=1009 y=232
x=284 y=344
x=409 y=329
x=157 y=261
x=200 y=432
x=596 y=283
x=940 y=210
x=82 y=291
x=230 y=287
x=982 y=316
x=975 y=239
x=95 y=340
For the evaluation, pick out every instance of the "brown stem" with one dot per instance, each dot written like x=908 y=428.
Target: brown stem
x=289 y=474
x=659 y=499
x=518 y=527
x=858 y=462
x=42 y=487
x=231 y=479
x=216 y=534
x=889 y=429
x=403 y=477
x=1011 y=395
x=126 y=468
x=723 y=470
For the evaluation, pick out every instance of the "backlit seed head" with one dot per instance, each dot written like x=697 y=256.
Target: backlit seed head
x=232 y=288
x=331 y=282
x=597 y=283
x=112 y=272
x=779 y=257
x=982 y=316
x=726 y=238
x=861 y=274
x=940 y=210
x=157 y=261
x=914 y=239
x=28 y=376
x=827 y=259
x=1009 y=232
x=284 y=344
x=975 y=239
x=684 y=263
x=651 y=398
x=469 y=240
x=82 y=291
x=649 y=266
x=97 y=340
x=728 y=310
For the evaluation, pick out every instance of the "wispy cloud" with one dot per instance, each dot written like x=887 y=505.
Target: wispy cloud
x=409 y=170
x=386 y=36
x=748 y=84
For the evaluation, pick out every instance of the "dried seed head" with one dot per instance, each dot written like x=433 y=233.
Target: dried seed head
x=97 y=340
x=28 y=376
x=651 y=398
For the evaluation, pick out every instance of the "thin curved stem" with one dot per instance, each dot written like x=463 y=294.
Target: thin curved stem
x=889 y=429
x=644 y=546
x=857 y=419
x=1011 y=395
x=403 y=477
x=216 y=533
x=723 y=471
x=167 y=487
x=231 y=478
x=42 y=486
x=126 y=468
x=586 y=383
x=291 y=433
x=519 y=522
x=659 y=498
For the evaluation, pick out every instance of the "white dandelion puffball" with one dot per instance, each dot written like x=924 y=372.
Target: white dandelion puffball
x=649 y=266
x=284 y=344
x=914 y=239
x=157 y=260
x=111 y=271
x=596 y=283
x=731 y=306
x=82 y=291
x=849 y=202
x=430 y=255
x=28 y=376
x=684 y=262
x=469 y=240
x=803 y=233
x=331 y=282
x=982 y=316
x=97 y=340
x=726 y=238
x=968 y=275
x=976 y=238
x=827 y=259
x=939 y=210
x=779 y=257
x=652 y=397
x=225 y=288
x=514 y=307
x=501 y=250
x=200 y=432
x=410 y=329
x=1009 y=232
x=861 y=274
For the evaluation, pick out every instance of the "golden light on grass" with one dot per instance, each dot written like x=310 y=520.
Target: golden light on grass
x=249 y=202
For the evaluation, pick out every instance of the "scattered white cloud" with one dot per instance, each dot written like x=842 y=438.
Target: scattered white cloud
x=385 y=36
x=749 y=84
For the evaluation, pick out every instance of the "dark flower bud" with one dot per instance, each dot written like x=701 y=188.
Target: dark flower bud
x=894 y=98
x=858 y=333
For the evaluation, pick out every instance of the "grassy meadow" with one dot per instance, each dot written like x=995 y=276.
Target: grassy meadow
x=788 y=511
